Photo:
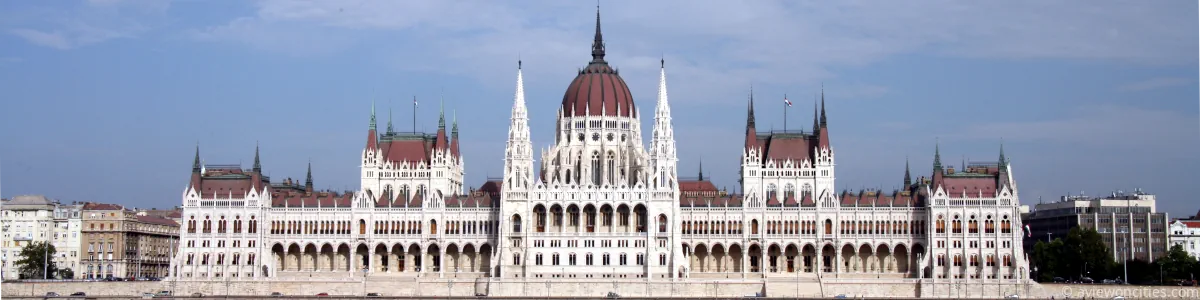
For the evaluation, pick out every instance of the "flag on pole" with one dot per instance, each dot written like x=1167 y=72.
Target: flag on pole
x=786 y=101
x=1028 y=233
x=414 y=100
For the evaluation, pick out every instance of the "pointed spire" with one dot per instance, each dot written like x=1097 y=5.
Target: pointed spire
x=750 y=109
x=389 y=127
x=1003 y=161
x=257 y=162
x=442 y=114
x=308 y=182
x=907 y=176
x=937 y=156
x=816 y=125
x=372 y=115
x=454 y=127
x=598 y=41
x=701 y=169
x=822 y=105
x=196 y=161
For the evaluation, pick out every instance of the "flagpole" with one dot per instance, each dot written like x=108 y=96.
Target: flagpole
x=785 y=107
x=414 y=113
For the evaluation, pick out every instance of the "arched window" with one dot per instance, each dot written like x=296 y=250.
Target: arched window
x=516 y=221
x=662 y=223
x=828 y=227
x=207 y=224
x=253 y=225
x=754 y=226
x=771 y=193
x=941 y=224
x=612 y=166
x=433 y=227
x=362 y=226
x=789 y=193
x=192 y=224
x=596 y=168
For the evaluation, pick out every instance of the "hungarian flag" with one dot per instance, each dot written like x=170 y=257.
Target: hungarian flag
x=786 y=101
x=414 y=100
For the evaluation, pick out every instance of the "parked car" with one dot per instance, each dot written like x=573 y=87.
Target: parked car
x=323 y=295
x=276 y=294
x=373 y=295
x=842 y=296
x=164 y=293
x=78 y=294
x=1013 y=296
x=1086 y=280
x=197 y=295
x=51 y=294
x=147 y=295
x=612 y=295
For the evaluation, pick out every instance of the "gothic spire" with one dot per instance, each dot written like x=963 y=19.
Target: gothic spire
x=454 y=127
x=907 y=176
x=308 y=180
x=1003 y=161
x=822 y=106
x=373 y=115
x=937 y=156
x=598 y=41
x=701 y=169
x=257 y=163
x=389 y=128
x=816 y=125
x=750 y=109
x=442 y=114
x=196 y=161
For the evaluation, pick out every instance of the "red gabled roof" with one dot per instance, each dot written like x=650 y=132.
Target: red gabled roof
x=411 y=151
x=101 y=206
x=156 y=220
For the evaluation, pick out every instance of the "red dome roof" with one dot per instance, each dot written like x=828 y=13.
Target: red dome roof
x=598 y=90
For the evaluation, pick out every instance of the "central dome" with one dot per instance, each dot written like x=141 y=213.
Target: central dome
x=598 y=90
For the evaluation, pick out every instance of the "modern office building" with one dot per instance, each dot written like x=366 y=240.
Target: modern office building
x=1131 y=226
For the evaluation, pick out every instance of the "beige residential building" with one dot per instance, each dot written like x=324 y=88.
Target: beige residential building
x=121 y=243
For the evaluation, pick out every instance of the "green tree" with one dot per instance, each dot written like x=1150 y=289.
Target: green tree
x=34 y=257
x=1081 y=253
x=1176 y=265
x=1086 y=253
x=66 y=274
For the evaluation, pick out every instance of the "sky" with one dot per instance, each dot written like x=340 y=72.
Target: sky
x=106 y=101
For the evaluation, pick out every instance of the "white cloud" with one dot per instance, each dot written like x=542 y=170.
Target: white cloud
x=81 y=25
x=1155 y=83
x=718 y=49
x=47 y=39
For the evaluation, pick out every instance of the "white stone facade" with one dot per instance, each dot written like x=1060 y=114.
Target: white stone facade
x=33 y=219
x=1186 y=233
x=600 y=205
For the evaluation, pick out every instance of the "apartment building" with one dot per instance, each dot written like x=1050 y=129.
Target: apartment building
x=1129 y=223
x=122 y=243
x=31 y=219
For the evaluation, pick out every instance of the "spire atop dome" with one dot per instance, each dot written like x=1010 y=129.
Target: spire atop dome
x=598 y=41
x=701 y=169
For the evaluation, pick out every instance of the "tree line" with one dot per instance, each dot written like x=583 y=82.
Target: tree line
x=1082 y=253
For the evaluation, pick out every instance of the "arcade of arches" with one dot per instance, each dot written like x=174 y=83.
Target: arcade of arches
x=451 y=260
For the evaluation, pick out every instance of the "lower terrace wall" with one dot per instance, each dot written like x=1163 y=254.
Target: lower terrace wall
x=816 y=288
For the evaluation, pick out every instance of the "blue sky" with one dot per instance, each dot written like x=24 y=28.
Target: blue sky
x=105 y=100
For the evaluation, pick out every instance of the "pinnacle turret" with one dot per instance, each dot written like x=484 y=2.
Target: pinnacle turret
x=308 y=181
x=937 y=157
